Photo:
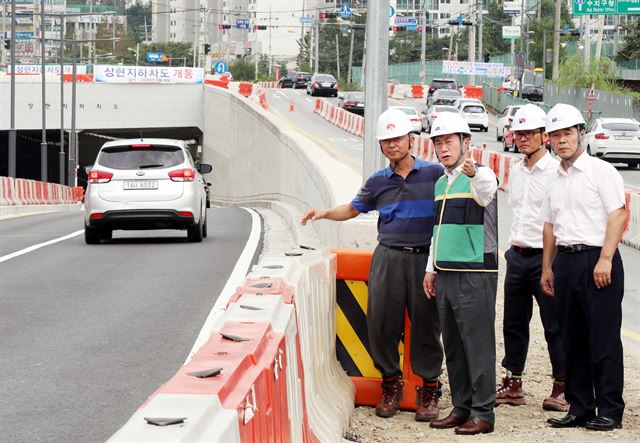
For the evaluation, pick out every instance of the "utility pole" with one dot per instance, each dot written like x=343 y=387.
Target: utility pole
x=480 y=27
x=600 y=34
x=43 y=142
x=353 y=35
x=317 y=63
x=364 y=53
x=472 y=37
x=375 y=83
x=338 y=56
x=512 y=49
x=12 y=122
x=587 y=41
x=72 y=175
x=450 y=43
x=62 y=164
x=556 y=41
x=270 y=54
x=300 y=58
x=522 y=20
x=311 y=45
x=423 y=42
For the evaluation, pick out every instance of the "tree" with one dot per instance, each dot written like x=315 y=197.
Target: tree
x=242 y=70
x=547 y=24
x=630 y=49
x=600 y=73
x=493 y=43
x=136 y=15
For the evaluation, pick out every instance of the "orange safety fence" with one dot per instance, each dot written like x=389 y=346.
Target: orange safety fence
x=353 y=268
x=473 y=91
x=80 y=78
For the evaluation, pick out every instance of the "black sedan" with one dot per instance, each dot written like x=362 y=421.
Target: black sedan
x=323 y=84
x=532 y=93
x=352 y=102
x=301 y=80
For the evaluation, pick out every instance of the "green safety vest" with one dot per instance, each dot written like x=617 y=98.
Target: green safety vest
x=465 y=233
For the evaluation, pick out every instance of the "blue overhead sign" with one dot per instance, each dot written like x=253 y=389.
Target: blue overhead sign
x=406 y=21
x=306 y=20
x=459 y=20
x=345 y=11
x=156 y=57
x=243 y=23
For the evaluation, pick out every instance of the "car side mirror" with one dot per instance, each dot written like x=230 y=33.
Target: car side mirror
x=204 y=168
x=208 y=184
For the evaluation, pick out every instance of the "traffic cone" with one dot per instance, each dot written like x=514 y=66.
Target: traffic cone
x=291 y=108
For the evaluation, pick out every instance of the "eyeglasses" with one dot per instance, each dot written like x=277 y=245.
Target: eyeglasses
x=528 y=135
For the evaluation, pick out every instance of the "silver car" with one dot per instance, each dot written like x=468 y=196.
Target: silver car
x=142 y=184
x=616 y=140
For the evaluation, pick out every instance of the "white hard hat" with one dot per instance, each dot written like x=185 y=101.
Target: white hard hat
x=393 y=123
x=563 y=116
x=529 y=117
x=449 y=123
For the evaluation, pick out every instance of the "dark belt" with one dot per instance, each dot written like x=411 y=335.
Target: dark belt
x=410 y=249
x=526 y=251
x=577 y=248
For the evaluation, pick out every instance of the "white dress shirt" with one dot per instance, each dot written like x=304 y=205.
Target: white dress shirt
x=581 y=200
x=484 y=186
x=527 y=191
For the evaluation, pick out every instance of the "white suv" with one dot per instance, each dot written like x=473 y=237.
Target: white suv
x=143 y=184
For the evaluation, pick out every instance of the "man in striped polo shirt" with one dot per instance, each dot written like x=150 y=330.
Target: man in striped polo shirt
x=403 y=195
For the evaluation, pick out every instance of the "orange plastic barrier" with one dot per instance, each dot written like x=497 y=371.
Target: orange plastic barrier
x=245 y=89
x=353 y=264
x=262 y=286
x=81 y=78
x=220 y=83
x=506 y=165
x=79 y=193
x=417 y=91
x=473 y=91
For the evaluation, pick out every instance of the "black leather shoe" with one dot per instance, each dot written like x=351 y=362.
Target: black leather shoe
x=569 y=421
x=603 y=424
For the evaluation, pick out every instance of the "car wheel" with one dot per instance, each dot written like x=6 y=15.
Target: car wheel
x=91 y=235
x=504 y=146
x=486 y=129
x=589 y=150
x=497 y=136
x=195 y=233
x=204 y=226
x=106 y=234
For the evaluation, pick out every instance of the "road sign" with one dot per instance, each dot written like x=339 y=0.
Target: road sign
x=459 y=20
x=243 y=23
x=306 y=20
x=392 y=11
x=606 y=7
x=591 y=95
x=220 y=67
x=511 y=32
x=345 y=11
x=512 y=8
x=406 y=21
x=156 y=57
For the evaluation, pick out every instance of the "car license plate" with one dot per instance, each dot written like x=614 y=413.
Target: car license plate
x=360 y=105
x=326 y=85
x=622 y=137
x=135 y=185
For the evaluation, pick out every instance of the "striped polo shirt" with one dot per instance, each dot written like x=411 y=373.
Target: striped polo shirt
x=405 y=206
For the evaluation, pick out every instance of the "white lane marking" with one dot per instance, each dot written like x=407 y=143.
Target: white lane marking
x=309 y=100
x=332 y=140
x=237 y=276
x=355 y=139
x=4 y=258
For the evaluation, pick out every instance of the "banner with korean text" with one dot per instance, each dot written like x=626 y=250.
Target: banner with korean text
x=475 y=68
x=147 y=74
x=48 y=69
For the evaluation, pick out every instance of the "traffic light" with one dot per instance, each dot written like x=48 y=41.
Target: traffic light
x=207 y=48
x=464 y=23
x=7 y=43
x=397 y=28
x=260 y=27
x=224 y=26
x=324 y=15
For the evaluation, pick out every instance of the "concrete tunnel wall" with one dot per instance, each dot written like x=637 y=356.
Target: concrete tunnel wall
x=258 y=159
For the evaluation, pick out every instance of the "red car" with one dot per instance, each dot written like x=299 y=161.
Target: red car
x=508 y=140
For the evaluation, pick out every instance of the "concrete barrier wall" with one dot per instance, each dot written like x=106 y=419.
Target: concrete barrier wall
x=258 y=158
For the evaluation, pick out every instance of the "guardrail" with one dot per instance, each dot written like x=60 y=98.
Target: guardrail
x=25 y=192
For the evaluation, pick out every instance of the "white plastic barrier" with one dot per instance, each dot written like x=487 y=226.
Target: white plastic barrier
x=346 y=120
x=23 y=192
x=632 y=235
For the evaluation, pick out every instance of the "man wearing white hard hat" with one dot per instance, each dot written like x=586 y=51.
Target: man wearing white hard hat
x=584 y=215
x=464 y=254
x=403 y=195
x=529 y=181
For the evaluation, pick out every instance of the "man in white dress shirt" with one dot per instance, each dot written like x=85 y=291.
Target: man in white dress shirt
x=584 y=216
x=530 y=179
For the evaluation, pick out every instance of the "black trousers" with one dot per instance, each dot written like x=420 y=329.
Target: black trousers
x=592 y=319
x=521 y=286
x=395 y=285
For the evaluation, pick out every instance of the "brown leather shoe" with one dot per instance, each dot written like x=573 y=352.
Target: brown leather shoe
x=510 y=393
x=556 y=401
x=427 y=404
x=450 y=421
x=474 y=426
x=391 y=396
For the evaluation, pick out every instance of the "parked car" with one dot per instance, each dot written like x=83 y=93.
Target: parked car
x=142 y=184
x=531 y=93
x=504 y=119
x=444 y=97
x=413 y=114
x=287 y=80
x=442 y=83
x=476 y=116
x=352 y=102
x=615 y=140
x=433 y=112
x=323 y=84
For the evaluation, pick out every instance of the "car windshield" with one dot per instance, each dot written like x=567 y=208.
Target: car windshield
x=439 y=84
x=448 y=93
x=303 y=75
x=446 y=109
x=325 y=78
x=126 y=157
x=474 y=109
x=622 y=126
x=408 y=111
x=355 y=96
x=292 y=74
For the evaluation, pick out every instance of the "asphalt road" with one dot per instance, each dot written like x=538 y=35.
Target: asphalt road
x=342 y=143
x=89 y=332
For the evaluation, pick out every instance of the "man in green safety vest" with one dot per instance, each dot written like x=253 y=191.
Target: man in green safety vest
x=464 y=256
